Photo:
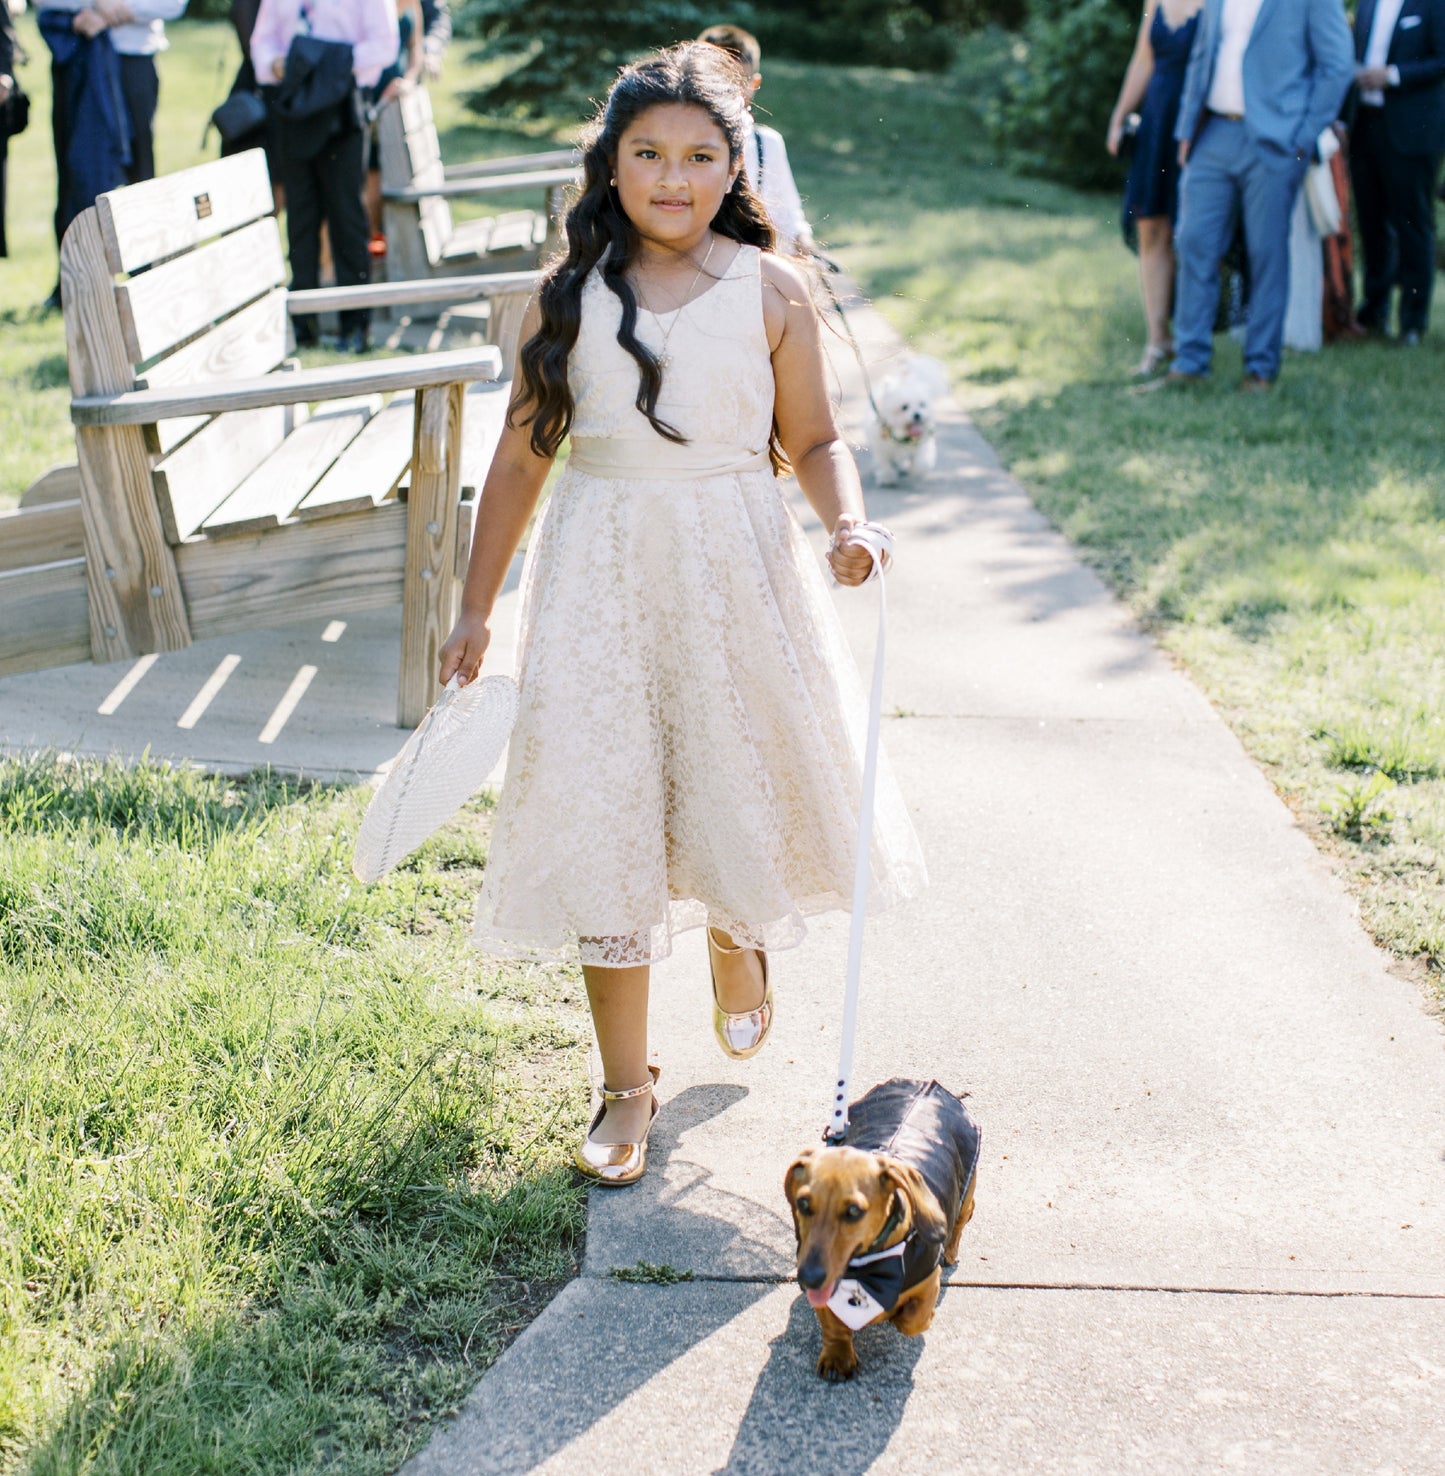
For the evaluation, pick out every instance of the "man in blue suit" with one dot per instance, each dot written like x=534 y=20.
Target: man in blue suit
x=1396 y=140
x=1265 y=78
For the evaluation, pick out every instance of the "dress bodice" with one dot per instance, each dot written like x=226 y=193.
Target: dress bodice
x=717 y=384
x=1170 y=44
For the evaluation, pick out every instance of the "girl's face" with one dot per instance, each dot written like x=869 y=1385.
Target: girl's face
x=672 y=172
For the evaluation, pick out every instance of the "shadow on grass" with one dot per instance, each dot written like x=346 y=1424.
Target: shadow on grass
x=371 y=1335
x=44 y=792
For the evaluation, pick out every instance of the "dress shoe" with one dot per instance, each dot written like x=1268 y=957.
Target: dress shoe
x=1410 y=339
x=743 y=1034
x=1255 y=384
x=615 y=1165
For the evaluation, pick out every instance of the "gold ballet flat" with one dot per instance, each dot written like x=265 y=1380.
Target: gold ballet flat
x=616 y=1164
x=745 y=1034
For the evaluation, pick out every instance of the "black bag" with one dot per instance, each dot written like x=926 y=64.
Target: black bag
x=241 y=114
x=15 y=115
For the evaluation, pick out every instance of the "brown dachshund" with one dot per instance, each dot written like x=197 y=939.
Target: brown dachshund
x=872 y=1235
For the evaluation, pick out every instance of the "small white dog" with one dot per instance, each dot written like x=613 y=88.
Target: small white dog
x=901 y=432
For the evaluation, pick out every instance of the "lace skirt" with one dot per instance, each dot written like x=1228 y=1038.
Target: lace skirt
x=689 y=747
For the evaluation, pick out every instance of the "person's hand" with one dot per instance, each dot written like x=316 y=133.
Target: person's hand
x=394 y=88
x=851 y=563
x=1373 y=79
x=7 y=86
x=431 y=64
x=1183 y=152
x=114 y=12
x=1115 y=135
x=278 y=68
x=87 y=23
x=463 y=649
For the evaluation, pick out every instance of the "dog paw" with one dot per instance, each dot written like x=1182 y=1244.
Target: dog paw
x=837 y=1366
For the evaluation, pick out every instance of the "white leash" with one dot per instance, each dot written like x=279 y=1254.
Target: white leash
x=879 y=543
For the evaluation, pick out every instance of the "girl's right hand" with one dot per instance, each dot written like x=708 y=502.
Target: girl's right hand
x=463 y=649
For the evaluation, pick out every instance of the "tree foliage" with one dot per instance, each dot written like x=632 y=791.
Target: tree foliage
x=1054 y=106
x=563 y=51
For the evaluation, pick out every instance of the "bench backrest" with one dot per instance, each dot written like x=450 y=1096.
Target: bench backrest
x=411 y=158
x=176 y=281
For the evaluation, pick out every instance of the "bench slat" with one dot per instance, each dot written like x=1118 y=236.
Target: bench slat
x=41 y=535
x=301 y=571
x=44 y=617
x=168 y=304
x=270 y=494
x=198 y=476
x=144 y=223
x=368 y=470
x=59 y=484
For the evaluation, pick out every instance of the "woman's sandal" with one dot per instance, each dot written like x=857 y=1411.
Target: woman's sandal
x=1156 y=357
x=616 y=1164
x=741 y=1035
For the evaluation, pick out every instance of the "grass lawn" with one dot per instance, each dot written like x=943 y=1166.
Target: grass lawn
x=282 y=1161
x=1289 y=550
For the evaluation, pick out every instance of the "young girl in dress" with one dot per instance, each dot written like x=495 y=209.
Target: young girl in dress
x=688 y=750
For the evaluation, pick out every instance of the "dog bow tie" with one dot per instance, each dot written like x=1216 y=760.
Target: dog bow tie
x=872 y=1287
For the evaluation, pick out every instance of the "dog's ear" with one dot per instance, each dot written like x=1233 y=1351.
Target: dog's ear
x=790 y=1179
x=928 y=1216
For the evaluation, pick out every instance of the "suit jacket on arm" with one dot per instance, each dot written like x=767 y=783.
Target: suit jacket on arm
x=1415 y=110
x=1297 y=69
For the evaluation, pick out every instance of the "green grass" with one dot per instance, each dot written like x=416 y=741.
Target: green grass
x=1289 y=550
x=282 y=1162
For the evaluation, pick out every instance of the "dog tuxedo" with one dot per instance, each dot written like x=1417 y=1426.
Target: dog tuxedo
x=922 y=1124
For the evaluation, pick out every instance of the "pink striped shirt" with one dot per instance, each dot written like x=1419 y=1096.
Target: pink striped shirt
x=369 y=25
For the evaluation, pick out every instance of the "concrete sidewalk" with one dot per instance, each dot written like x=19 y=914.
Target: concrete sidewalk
x=1210 y=1218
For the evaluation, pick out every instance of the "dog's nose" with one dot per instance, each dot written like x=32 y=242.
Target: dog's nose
x=812 y=1273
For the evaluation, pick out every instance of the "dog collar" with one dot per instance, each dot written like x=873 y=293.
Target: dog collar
x=889 y=434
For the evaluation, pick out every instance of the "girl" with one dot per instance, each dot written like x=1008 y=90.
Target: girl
x=688 y=748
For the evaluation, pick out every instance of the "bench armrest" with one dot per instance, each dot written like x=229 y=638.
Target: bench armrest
x=392 y=294
x=513 y=164
x=418 y=371
x=495 y=184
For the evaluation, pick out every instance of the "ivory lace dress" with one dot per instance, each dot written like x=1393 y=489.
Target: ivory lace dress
x=689 y=746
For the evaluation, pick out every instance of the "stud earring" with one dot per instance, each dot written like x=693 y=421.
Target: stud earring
x=613 y=181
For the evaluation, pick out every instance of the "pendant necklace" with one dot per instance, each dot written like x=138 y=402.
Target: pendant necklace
x=664 y=359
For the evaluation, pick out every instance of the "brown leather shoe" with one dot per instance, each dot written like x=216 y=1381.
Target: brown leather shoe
x=1255 y=384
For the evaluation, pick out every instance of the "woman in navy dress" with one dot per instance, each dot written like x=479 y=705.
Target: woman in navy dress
x=1153 y=84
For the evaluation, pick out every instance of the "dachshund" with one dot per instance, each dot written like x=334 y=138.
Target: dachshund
x=872 y=1230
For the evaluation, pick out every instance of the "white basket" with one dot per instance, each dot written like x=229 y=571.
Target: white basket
x=445 y=761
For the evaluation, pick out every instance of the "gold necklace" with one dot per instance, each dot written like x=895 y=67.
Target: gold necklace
x=664 y=359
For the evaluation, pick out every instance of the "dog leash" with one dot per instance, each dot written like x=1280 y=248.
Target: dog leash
x=828 y=268
x=879 y=543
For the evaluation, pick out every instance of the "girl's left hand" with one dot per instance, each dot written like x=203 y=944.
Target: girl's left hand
x=851 y=563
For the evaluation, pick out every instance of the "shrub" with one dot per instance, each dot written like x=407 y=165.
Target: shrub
x=1054 y=106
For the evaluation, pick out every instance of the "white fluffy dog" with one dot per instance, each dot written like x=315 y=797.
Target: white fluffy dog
x=901 y=432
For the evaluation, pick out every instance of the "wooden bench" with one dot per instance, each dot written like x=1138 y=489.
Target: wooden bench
x=210 y=500
x=422 y=239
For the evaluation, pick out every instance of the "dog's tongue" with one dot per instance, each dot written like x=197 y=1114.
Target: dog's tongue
x=915 y=432
x=820 y=1297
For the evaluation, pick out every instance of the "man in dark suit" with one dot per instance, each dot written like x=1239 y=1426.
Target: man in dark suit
x=1395 y=148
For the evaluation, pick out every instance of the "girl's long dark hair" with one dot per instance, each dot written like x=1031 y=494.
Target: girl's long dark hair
x=597 y=231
